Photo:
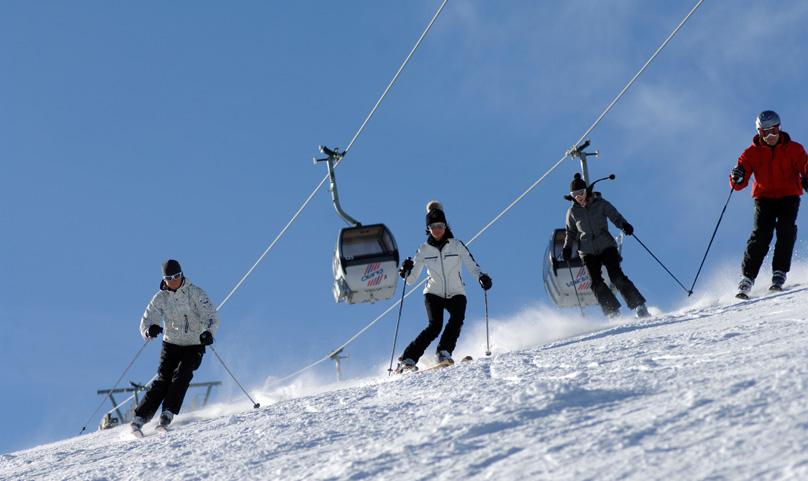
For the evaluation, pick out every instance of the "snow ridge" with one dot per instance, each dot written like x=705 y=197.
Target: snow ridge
x=716 y=392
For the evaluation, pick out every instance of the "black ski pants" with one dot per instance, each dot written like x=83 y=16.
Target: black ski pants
x=435 y=305
x=772 y=215
x=610 y=258
x=174 y=374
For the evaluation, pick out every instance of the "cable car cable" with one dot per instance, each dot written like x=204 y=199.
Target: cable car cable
x=294 y=217
x=305 y=204
x=567 y=154
x=395 y=77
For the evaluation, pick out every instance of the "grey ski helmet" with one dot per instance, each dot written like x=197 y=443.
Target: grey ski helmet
x=767 y=119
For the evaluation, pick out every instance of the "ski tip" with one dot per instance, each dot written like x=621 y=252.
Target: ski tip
x=467 y=359
x=136 y=434
x=742 y=296
x=160 y=429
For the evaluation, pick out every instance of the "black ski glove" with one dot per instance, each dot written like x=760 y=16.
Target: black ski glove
x=805 y=184
x=206 y=338
x=153 y=331
x=627 y=228
x=485 y=282
x=737 y=175
x=406 y=268
x=566 y=254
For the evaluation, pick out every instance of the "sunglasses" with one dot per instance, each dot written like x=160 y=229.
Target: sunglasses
x=773 y=129
x=174 y=277
x=578 y=193
x=436 y=225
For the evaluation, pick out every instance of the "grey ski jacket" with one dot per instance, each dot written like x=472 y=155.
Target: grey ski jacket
x=187 y=313
x=588 y=224
x=443 y=267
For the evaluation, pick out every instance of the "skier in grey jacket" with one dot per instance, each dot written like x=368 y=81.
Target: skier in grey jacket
x=587 y=224
x=190 y=323
x=443 y=256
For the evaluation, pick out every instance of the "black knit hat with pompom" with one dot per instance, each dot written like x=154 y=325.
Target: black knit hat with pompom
x=434 y=213
x=577 y=183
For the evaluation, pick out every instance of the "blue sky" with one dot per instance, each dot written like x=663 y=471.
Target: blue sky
x=133 y=133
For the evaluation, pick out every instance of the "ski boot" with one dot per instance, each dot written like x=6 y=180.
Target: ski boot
x=136 y=426
x=445 y=356
x=744 y=286
x=778 y=279
x=165 y=419
x=406 y=365
x=642 y=311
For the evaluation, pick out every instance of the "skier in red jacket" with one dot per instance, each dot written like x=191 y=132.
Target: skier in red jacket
x=780 y=167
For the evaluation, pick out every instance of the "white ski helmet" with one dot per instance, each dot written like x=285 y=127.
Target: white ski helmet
x=767 y=119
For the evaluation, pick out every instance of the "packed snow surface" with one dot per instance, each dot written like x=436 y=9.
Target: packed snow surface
x=718 y=391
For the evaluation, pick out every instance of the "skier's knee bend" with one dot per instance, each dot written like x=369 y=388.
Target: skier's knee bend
x=433 y=329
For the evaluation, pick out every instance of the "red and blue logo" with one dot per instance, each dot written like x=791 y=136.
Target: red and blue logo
x=374 y=274
x=581 y=281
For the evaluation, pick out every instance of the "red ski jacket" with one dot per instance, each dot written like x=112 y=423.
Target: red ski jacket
x=778 y=170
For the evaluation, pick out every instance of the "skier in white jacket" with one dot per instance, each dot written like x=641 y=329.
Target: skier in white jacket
x=190 y=323
x=443 y=256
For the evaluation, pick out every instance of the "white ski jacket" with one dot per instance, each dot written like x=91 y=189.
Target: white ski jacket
x=187 y=313
x=443 y=267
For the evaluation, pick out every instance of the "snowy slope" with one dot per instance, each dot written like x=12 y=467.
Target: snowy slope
x=719 y=391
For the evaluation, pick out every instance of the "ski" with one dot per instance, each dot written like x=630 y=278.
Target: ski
x=448 y=363
x=443 y=364
x=139 y=434
x=774 y=289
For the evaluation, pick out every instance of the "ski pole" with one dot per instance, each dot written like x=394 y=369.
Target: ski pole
x=731 y=190
x=395 y=337
x=663 y=265
x=574 y=288
x=255 y=404
x=487 y=345
x=113 y=387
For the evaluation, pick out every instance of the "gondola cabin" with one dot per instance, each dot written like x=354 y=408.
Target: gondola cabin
x=560 y=284
x=365 y=264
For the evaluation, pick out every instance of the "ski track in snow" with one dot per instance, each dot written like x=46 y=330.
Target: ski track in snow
x=712 y=393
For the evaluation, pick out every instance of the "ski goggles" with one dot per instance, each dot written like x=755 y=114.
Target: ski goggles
x=578 y=193
x=173 y=277
x=436 y=225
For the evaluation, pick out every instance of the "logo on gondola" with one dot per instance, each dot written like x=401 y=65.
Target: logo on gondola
x=582 y=281
x=374 y=274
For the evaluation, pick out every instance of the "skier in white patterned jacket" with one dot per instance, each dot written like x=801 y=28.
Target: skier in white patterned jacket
x=190 y=321
x=443 y=256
